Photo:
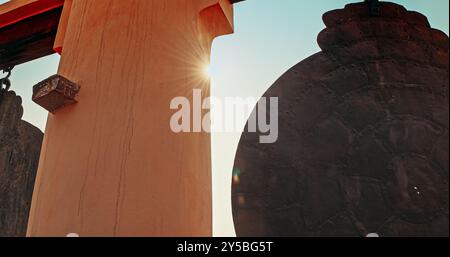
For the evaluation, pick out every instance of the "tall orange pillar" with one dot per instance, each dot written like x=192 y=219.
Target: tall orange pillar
x=110 y=164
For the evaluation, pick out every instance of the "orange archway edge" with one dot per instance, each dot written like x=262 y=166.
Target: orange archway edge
x=17 y=10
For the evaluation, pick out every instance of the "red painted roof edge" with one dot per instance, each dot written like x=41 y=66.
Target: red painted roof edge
x=28 y=11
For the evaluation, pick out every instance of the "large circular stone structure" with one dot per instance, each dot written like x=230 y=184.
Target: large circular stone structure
x=363 y=135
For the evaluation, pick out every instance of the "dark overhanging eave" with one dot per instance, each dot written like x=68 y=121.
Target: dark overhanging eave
x=236 y=1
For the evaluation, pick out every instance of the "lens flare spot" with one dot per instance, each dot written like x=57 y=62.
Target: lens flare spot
x=207 y=71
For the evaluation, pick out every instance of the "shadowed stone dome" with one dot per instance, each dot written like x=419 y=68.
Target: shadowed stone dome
x=363 y=135
x=20 y=147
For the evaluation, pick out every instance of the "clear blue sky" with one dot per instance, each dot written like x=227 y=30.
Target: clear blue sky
x=271 y=36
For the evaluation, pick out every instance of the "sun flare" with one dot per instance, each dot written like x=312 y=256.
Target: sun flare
x=207 y=71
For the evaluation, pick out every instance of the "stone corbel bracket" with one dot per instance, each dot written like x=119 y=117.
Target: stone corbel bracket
x=55 y=93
